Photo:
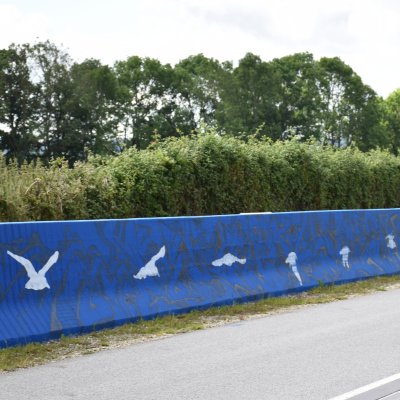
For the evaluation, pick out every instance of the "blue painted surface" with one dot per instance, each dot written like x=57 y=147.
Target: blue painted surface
x=92 y=283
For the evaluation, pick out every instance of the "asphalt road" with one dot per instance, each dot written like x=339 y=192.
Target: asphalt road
x=316 y=352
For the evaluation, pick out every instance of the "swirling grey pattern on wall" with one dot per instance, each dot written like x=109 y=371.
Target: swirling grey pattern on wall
x=85 y=275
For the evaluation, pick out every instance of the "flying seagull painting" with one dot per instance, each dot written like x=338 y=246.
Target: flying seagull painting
x=345 y=256
x=150 y=269
x=390 y=241
x=37 y=280
x=292 y=261
x=228 y=259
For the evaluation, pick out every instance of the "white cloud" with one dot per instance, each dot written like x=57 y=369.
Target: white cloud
x=19 y=27
x=363 y=33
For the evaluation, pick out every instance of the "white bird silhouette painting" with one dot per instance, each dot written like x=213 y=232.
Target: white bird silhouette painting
x=150 y=269
x=390 y=241
x=228 y=259
x=37 y=280
x=292 y=261
x=345 y=256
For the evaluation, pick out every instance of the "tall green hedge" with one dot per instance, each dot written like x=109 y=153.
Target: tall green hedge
x=203 y=174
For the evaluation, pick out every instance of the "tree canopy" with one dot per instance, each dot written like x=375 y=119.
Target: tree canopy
x=52 y=106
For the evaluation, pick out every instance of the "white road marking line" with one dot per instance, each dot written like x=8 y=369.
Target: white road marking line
x=366 y=388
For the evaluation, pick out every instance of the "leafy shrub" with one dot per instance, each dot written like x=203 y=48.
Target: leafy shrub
x=198 y=175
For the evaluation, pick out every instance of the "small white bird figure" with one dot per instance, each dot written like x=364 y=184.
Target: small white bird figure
x=391 y=243
x=345 y=256
x=228 y=259
x=150 y=269
x=292 y=260
x=37 y=280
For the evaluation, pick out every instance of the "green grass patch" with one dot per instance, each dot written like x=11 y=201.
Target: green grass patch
x=70 y=346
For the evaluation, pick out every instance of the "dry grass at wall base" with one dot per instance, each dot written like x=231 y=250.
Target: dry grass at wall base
x=130 y=334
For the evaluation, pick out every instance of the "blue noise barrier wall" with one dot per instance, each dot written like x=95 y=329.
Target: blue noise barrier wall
x=70 y=277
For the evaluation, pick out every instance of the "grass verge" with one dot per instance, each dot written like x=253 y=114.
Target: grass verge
x=70 y=346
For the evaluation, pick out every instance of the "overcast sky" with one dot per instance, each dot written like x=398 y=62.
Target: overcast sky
x=363 y=33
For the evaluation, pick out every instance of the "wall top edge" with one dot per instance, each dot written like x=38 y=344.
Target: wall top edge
x=242 y=215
